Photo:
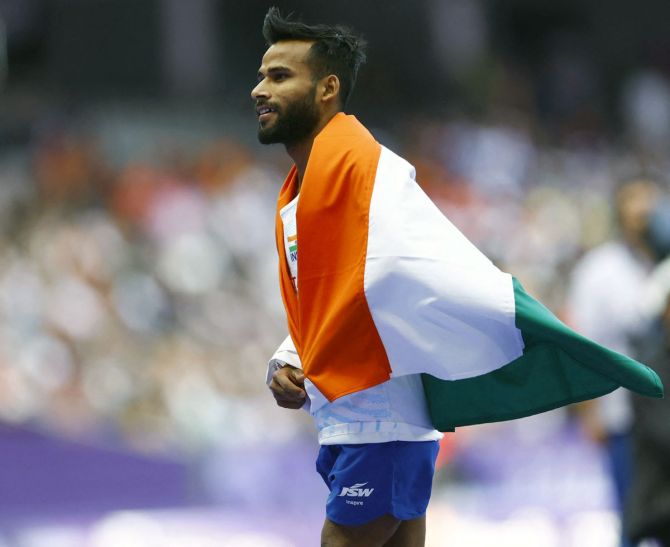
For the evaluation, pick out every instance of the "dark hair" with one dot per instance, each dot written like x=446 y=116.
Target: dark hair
x=336 y=50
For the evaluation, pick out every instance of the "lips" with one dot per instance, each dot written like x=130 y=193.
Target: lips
x=264 y=112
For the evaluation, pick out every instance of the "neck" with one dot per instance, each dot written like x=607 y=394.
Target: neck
x=299 y=152
x=639 y=247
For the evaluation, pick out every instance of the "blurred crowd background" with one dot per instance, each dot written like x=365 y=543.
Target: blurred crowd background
x=138 y=294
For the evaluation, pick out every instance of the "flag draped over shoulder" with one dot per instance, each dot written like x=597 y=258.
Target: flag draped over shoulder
x=387 y=286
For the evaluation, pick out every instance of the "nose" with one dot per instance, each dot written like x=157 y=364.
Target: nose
x=259 y=91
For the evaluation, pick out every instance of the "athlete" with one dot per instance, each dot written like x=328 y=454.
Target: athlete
x=378 y=446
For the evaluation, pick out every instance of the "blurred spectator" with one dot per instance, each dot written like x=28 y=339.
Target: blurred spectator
x=124 y=305
x=648 y=509
x=606 y=286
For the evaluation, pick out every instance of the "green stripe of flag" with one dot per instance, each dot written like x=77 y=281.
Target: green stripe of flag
x=558 y=367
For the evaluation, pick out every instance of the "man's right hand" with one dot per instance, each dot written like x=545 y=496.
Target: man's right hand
x=288 y=387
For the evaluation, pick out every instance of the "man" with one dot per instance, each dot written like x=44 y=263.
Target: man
x=398 y=324
x=647 y=511
x=619 y=267
x=378 y=445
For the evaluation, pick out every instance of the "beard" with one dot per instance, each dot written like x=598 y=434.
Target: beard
x=294 y=123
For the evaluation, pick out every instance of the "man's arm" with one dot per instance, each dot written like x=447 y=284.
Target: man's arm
x=286 y=354
x=285 y=377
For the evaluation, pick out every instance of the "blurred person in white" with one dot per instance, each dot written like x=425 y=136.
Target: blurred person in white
x=604 y=291
x=647 y=513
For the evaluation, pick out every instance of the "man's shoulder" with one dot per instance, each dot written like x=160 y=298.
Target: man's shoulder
x=607 y=265
x=344 y=126
x=344 y=144
x=605 y=255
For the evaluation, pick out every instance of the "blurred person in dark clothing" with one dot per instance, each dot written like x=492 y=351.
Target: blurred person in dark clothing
x=647 y=515
x=605 y=288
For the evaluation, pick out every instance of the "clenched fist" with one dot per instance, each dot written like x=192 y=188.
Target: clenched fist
x=288 y=387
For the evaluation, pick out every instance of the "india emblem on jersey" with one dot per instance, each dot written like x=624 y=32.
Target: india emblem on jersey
x=293 y=248
x=290 y=231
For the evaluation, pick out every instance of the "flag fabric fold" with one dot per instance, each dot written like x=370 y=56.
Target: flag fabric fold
x=388 y=286
x=558 y=367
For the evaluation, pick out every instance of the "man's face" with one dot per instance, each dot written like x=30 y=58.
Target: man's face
x=285 y=95
x=635 y=202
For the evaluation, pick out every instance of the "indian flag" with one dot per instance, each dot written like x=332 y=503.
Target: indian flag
x=293 y=243
x=388 y=287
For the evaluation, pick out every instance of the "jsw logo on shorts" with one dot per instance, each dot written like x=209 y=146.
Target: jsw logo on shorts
x=356 y=491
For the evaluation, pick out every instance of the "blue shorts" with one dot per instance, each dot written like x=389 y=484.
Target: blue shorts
x=367 y=481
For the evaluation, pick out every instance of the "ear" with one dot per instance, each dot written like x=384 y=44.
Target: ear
x=329 y=88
